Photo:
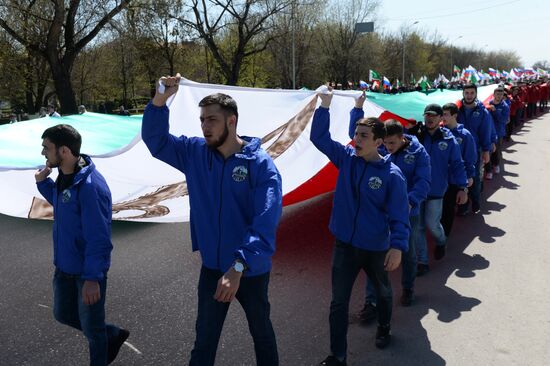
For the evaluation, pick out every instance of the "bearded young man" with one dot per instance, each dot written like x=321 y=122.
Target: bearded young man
x=235 y=197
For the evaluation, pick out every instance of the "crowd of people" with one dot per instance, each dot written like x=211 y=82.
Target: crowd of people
x=394 y=184
x=441 y=163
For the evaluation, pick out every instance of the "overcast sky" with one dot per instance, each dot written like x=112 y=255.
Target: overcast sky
x=519 y=25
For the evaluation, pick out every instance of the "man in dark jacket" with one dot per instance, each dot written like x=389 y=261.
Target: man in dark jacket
x=82 y=241
x=235 y=196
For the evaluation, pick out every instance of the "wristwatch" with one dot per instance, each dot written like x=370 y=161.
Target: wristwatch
x=239 y=266
x=464 y=189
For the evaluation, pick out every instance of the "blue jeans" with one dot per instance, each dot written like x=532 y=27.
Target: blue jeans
x=430 y=217
x=408 y=263
x=69 y=309
x=252 y=295
x=347 y=261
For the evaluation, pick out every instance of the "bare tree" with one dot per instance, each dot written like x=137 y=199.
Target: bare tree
x=294 y=35
x=338 y=37
x=70 y=27
x=233 y=30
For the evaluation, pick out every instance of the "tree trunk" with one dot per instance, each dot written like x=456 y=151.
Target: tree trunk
x=64 y=88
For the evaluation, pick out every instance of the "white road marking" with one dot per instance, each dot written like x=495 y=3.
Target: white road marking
x=44 y=306
x=133 y=348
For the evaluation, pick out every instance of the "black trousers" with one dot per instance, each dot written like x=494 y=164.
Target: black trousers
x=449 y=204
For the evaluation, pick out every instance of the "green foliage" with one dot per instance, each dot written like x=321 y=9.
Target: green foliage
x=154 y=38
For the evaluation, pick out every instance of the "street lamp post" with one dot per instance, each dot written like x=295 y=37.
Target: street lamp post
x=452 y=65
x=403 y=63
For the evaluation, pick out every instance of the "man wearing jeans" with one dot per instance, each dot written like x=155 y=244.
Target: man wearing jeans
x=445 y=158
x=413 y=160
x=236 y=203
x=369 y=220
x=82 y=241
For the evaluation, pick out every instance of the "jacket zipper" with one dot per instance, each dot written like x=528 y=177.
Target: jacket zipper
x=359 y=204
x=220 y=215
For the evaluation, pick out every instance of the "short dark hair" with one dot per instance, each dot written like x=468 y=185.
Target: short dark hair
x=470 y=86
x=499 y=89
x=393 y=128
x=376 y=126
x=226 y=103
x=451 y=107
x=64 y=135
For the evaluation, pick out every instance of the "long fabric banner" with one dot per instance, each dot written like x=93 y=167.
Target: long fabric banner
x=145 y=189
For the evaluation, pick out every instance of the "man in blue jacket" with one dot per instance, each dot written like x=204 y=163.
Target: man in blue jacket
x=469 y=157
x=476 y=119
x=500 y=111
x=369 y=221
x=235 y=197
x=82 y=207
x=413 y=160
x=445 y=160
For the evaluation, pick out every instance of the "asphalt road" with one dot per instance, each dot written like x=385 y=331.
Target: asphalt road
x=486 y=303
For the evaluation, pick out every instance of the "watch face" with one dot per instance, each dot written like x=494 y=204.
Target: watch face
x=238 y=266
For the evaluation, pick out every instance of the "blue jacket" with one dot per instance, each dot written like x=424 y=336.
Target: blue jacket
x=370 y=209
x=82 y=223
x=445 y=158
x=413 y=161
x=468 y=151
x=235 y=203
x=478 y=121
x=500 y=117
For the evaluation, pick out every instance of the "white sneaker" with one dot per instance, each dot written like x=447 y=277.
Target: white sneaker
x=497 y=170
x=489 y=176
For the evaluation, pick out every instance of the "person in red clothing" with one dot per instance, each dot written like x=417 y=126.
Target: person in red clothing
x=532 y=96
x=543 y=96
x=522 y=94
x=515 y=107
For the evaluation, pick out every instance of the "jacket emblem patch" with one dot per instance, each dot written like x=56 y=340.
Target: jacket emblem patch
x=375 y=183
x=459 y=140
x=239 y=173
x=442 y=145
x=409 y=159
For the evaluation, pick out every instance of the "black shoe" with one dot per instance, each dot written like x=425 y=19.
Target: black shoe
x=332 y=361
x=422 y=269
x=368 y=313
x=383 y=336
x=115 y=344
x=439 y=251
x=475 y=207
x=407 y=297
